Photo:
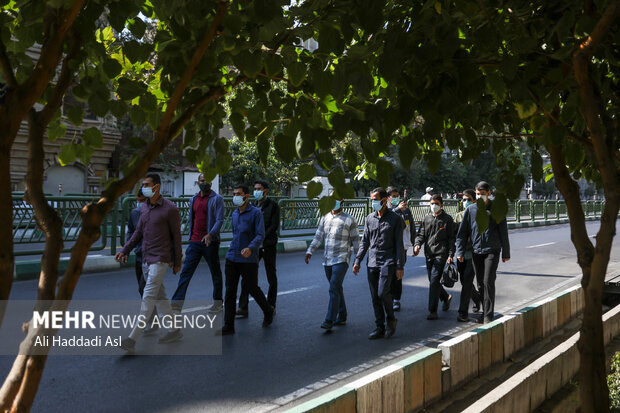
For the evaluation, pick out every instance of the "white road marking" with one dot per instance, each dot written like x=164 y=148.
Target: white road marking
x=541 y=245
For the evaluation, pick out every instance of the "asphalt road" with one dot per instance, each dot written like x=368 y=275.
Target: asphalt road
x=263 y=368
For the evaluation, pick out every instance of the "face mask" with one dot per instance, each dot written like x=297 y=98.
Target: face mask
x=483 y=197
x=395 y=201
x=435 y=208
x=148 y=191
x=376 y=205
x=204 y=186
x=238 y=200
x=337 y=206
x=467 y=203
x=258 y=194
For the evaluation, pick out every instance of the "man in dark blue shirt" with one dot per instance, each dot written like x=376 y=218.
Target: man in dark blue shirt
x=242 y=258
x=383 y=240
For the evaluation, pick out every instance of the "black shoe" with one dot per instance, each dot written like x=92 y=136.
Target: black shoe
x=171 y=337
x=226 y=331
x=477 y=305
x=487 y=320
x=462 y=319
x=150 y=330
x=432 y=316
x=377 y=333
x=269 y=317
x=396 y=305
x=340 y=322
x=391 y=328
x=446 y=304
x=242 y=313
x=128 y=344
x=327 y=325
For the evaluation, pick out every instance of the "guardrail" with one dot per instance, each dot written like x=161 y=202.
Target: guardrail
x=299 y=217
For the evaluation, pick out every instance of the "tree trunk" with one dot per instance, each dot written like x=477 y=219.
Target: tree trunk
x=7 y=261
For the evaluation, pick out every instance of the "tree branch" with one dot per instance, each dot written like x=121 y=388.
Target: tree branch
x=6 y=67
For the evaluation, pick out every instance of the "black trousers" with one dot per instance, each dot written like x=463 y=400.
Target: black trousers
x=268 y=255
x=485 y=266
x=249 y=273
x=140 y=277
x=380 y=283
x=397 y=286
x=466 y=273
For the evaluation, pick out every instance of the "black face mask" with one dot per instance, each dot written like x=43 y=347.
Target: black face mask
x=204 y=186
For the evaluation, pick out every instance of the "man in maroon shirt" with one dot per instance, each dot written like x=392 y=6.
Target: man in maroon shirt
x=159 y=229
x=205 y=220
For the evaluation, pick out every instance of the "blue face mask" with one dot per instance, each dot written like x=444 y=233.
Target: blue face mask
x=238 y=200
x=258 y=195
x=148 y=191
x=467 y=203
x=376 y=205
x=395 y=201
x=337 y=206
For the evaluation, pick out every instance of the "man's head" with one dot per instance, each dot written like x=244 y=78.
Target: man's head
x=339 y=201
x=203 y=184
x=429 y=189
x=379 y=198
x=261 y=188
x=151 y=185
x=240 y=195
x=393 y=195
x=436 y=203
x=483 y=190
x=469 y=195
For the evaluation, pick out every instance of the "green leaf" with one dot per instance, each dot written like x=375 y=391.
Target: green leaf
x=136 y=142
x=262 y=144
x=336 y=178
x=351 y=156
x=406 y=151
x=250 y=63
x=296 y=73
x=499 y=207
x=223 y=162
x=238 y=124
x=433 y=159
x=326 y=204
x=148 y=102
x=384 y=170
x=118 y=108
x=285 y=147
x=137 y=27
x=92 y=137
x=221 y=145
x=526 y=109
x=75 y=114
x=137 y=52
x=111 y=68
x=304 y=144
x=56 y=130
x=129 y=89
x=273 y=65
x=137 y=115
x=67 y=154
x=305 y=172
x=496 y=86
x=314 y=189
x=482 y=216
x=537 y=166
x=98 y=105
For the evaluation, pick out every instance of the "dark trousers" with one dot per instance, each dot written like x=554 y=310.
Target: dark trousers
x=436 y=292
x=193 y=254
x=249 y=272
x=466 y=273
x=380 y=283
x=485 y=266
x=140 y=277
x=268 y=255
x=397 y=286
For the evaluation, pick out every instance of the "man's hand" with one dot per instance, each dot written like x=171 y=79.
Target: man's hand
x=307 y=258
x=505 y=259
x=460 y=259
x=175 y=270
x=402 y=206
x=207 y=239
x=400 y=274
x=120 y=257
x=356 y=269
x=246 y=252
x=450 y=260
x=416 y=250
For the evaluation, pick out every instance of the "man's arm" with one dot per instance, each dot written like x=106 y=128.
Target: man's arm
x=136 y=237
x=259 y=230
x=219 y=216
x=364 y=245
x=318 y=237
x=398 y=243
x=451 y=237
x=462 y=235
x=419 y=239
x=275 y=219
x=503 y=236
x=354 y=235
x=174 y=224
x=411 y=226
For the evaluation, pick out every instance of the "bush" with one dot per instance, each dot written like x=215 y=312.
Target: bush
x=613 y=382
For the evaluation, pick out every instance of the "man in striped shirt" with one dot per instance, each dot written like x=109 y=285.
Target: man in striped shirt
x=340 y=233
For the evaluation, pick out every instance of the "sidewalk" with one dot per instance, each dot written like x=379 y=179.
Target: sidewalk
x=30 y=269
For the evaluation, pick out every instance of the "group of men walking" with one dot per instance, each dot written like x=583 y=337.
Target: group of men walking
x=389 y=231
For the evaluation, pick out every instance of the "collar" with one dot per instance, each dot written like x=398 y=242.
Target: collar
x=207 y=195
x=159 y=201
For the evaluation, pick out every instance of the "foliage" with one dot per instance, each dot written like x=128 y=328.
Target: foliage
x=613 y=382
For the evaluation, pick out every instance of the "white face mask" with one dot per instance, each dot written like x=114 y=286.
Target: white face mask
x=148 y=191
x=483 y=197
x=435 y=208
x=238 y=200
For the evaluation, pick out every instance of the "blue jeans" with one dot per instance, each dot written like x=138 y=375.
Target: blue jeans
x=337 y=309
x=436 y=292
x=194 y=252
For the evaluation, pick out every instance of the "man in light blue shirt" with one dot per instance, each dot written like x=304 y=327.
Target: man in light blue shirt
x=340 y=233
x=242 y=258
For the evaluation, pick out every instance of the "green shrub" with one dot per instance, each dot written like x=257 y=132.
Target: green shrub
x=613 y=382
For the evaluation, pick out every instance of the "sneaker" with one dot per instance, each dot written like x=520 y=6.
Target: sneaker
x=176 y=308
x=150 y=330
x=432 y=316
x=462 y=319
x=396 y=305
x=487 y=320
x=268 y=319
x=377 y=333
x=216 y=307
x=446 y=304
x=391 y=328
x=340 y=322
x=171 y=337
x=327 y=325
x=242 y=313
x=128 y=344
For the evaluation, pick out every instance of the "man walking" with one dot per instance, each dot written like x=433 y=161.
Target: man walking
x=132 y=223
x=205 y=221
x=437 y=235
x=159 y=229
x=466 y=267
x=242 y=258
x=271 y=217
x=486 y=247
x=399 y=206
x=383 y=240
x=339 y=231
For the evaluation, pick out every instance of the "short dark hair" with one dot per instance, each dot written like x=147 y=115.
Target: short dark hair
x=391 y=189
x=483 y=186
x=155 y=178
x=264 y=184
x=437 y=197
x=243 y=187
x=470 y=193
x=140 y=193
x=382 y=192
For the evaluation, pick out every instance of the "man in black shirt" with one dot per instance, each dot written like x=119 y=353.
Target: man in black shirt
x=271 y=217
x=437 y=234
x=383 y=240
